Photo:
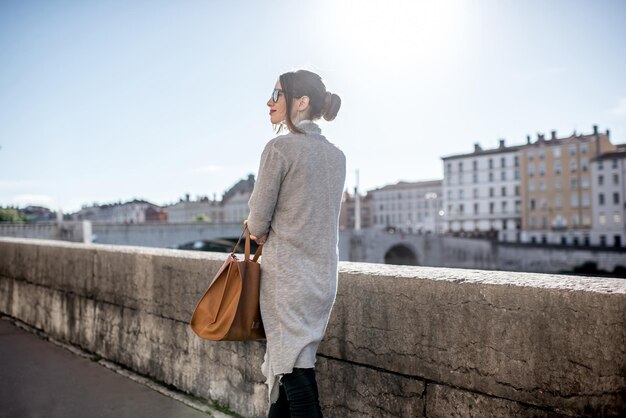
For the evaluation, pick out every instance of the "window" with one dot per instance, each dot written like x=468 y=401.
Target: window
x=516 y=190
x=460 y=178
x=557 y=201
x=449 y=165
x=503 y=191
x=574 y=183
x=615 y=178
x=600 y=180
x=572 y=149
x=460 y=193
x=503 y=207
x=575 y=220
x=491 y=192
x=602 y=219
x=544 y=222
x=557 y=167
x=584 y=147
x=584 y=182
x=532 y=204
x=475 y=192
x=584 y=164
x=531 y=186
x=475 y=208
x=529 y=154
x=603 y=240
x=586 y=200
x=556 y=152
x=531 y=170
x=600 y=165
x=516 y=174
x=502 y=162
x=460 y=166
x=503 y=175
x=532 y=222
x=490 y=163
x=461 y=208
x=475 y=178
x=574 y=201
x=475 y=165
x=518 y=204
x=490 y=176
x=542 y=153
x=573 y=166
x=542 y=185
x=616 y=218
x=543 y=203
x=516 y=161
x=491 y=207
x=601 y=199
x=614 y=163
x=449 y=194
x=557 y=184
x=616 y=198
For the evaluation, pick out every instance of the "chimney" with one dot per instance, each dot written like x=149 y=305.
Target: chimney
x=608 y=133
x=595 y=129
x=477 y=147
x=540 y=137
x=553 y=133
x=501 y=143
x=527 y=139
x=186 y=197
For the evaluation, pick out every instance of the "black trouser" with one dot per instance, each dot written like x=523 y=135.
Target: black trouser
x=298 y=396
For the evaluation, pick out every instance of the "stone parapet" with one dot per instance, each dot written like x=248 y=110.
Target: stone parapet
x=402 y=341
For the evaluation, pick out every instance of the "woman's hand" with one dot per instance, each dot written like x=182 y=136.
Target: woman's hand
x=259 y=241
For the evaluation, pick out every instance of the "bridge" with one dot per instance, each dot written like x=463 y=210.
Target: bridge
x=402 y=340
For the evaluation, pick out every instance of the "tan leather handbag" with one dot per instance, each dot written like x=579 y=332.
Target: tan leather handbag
x=229 y=309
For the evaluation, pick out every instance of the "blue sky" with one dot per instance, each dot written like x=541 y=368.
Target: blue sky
x=103 y=101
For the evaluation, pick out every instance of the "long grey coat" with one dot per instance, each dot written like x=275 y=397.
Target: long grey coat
x=296 y=199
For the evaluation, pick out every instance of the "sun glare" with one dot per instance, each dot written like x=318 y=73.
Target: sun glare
x=398 y=35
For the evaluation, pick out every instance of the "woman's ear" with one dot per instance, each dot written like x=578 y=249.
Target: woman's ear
x=303 y=103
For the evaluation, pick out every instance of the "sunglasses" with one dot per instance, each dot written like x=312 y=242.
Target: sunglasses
x=276 y=94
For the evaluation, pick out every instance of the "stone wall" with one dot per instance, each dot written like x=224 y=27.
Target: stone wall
x=73 y=231
x=401 y=342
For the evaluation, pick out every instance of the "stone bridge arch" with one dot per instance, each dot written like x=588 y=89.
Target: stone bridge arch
x=401 y=254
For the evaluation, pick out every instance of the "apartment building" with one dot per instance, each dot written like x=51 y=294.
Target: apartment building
x=608 y=177
x=557 y=188
x=481 y=193
x=408 y=206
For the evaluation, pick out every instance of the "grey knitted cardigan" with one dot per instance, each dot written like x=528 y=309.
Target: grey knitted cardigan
x=296 y=199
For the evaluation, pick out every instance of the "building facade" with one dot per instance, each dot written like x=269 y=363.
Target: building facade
x=557 y=188
x=608 y=174
x=481 y=193
x=347 y=217
x=408 y=207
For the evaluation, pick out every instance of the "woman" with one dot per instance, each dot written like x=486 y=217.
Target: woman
x=294 y=211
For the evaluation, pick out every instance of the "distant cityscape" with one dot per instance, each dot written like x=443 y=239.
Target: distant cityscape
x=558 y=190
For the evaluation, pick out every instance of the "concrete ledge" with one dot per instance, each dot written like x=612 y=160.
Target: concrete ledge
x=402 y=341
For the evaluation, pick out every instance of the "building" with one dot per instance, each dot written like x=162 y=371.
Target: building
x=133 y=212
x=347 y=213
x=481 y=193
x=200 y=210
x=235 y=200
x=557 y=189
x=608 y=177
x=408 y=206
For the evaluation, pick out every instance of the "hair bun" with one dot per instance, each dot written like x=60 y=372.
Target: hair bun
x=332 y=103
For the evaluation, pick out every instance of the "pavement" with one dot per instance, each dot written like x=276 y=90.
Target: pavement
x=42 y=379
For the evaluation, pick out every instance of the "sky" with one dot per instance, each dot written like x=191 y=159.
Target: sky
x=105 y=101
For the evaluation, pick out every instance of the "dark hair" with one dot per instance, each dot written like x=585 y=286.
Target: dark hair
x=301 y=83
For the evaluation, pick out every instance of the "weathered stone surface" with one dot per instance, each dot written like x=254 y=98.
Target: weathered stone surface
x=155 y=346
x=447 y=402
x=555 y=343
x=349 y=390
x=538 y=339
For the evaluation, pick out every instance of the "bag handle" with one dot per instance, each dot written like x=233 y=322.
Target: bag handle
x=258 y=252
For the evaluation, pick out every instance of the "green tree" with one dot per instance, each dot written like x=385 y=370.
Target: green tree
x=11 y=215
